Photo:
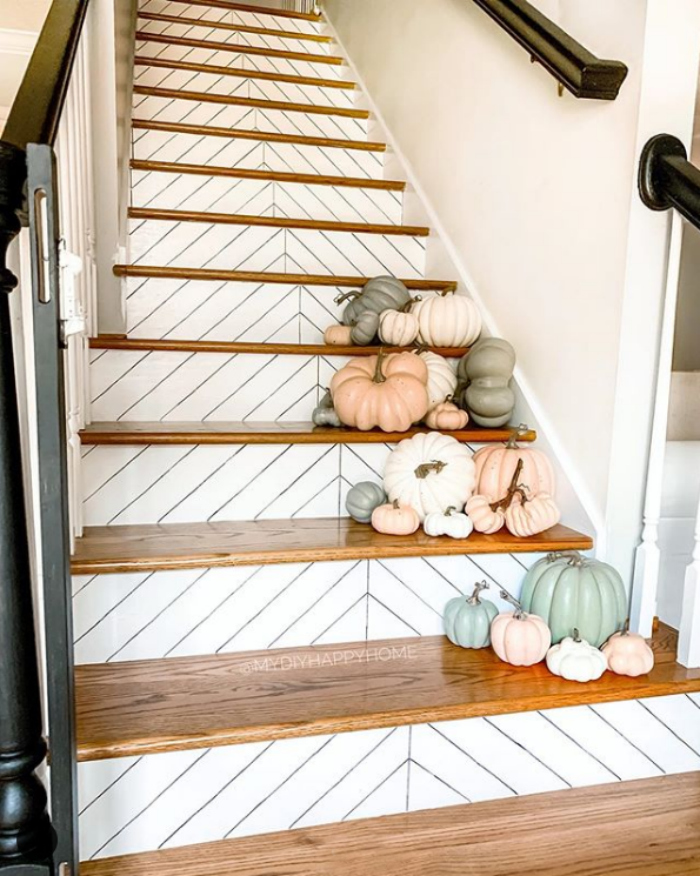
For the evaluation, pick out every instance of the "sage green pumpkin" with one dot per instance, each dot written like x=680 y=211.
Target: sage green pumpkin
x=365 y=328
x=324 y=414
x=574 y=593
x=485 y=374
x=362 y=499
x=468 y=619
x=379 y=294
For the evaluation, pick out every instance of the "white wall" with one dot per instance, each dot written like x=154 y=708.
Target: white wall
x=20 y=24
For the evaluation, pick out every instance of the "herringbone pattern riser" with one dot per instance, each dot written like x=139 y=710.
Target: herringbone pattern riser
x=232 y=16
x=160 y=801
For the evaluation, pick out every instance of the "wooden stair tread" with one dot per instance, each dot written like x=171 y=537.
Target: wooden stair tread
x=276 y=222
x=157 y=547
x=262 y=136
x=254 y=103
x=113 y=342
x=267 y=175
x=172 y=273
x=233 y=26
x=647 y=827
x=236 y=48
x=258 y=10
x=240 y=73
x=184 y=703
x=256 y=432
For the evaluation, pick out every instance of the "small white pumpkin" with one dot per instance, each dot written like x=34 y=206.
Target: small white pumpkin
x=398 y=328
x=449 y=523
x=442 y=378
x=430 y=472
x=574 y=659
x=447 y=320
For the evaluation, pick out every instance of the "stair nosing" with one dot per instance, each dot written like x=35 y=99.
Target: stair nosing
x=258 y=10
x=233 y=26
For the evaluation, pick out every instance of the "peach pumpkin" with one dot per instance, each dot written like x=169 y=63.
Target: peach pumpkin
x=519 y=638
x=388 y=392
x=338 y=336
x=496 y=464
x=524 y=519
x=395 y=519
x=446 y=417
x=485 y=518
x=628 y=654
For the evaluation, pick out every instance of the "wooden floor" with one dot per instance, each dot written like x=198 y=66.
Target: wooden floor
x=643 y=828
x=155 y=547
x=152 y=706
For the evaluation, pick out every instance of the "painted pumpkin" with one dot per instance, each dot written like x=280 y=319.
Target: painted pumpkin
x=576 y=660
x=430 y=472
x=485 y=374
x=364 y=329
x=446 y=417
x=338 y=336
x=385 y=392
x=628 y=654
x=398 y=328
x=450 y=523
x=468 y=619
x=442 y=380
x=379 y=294
x=485 y=517
x=325 y=414
x=571 y=592
x=447 y=320
x=395 y=519
x=362 y=499
x=496 y=464
x=519 y=638
x=528 y=518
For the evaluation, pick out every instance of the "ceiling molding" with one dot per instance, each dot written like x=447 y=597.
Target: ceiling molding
x=17 y=42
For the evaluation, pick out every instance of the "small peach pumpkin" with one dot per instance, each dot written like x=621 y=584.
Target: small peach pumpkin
x=338 y=335
x=496 y=464
x=524 y=519
x=388 y=392
x=628 y=654
x=518 y=638
x=446 y=417
x=395 y=519
x=485 y=518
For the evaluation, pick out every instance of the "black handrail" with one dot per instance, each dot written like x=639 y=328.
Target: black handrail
x=37 y=108
x=667 y=179
x=577 y=69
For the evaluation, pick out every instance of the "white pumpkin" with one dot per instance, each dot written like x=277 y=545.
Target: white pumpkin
x=449 y=523
x=442 y=378
x=397 y=328
x=447 y=320
x=576 y=660
x=430 y=472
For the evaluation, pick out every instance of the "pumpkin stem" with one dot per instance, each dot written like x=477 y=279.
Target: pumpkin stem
x=347 y=296
x=577 y=636
x=409 y=304
x=426 y=468
x=396 y=505
x=626 y=628
x=513 y=490
x=478 y=587
x=518 y=614
x=378 y=373
x=450 y=510
x=445 y=292
x=560 y=555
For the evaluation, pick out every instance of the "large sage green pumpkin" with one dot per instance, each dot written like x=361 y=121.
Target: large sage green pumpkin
x=379 y=294
x=468 y=619
x=574 y=593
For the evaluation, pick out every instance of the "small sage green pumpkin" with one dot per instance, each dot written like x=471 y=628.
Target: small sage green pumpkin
x=378 y=295
x=574 y=593
x=365 y=328
x=362 y=499
x=324 y=414
x=468 y=619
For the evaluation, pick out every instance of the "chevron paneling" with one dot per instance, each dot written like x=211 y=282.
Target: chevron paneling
x=167 y=800
x=234 y=16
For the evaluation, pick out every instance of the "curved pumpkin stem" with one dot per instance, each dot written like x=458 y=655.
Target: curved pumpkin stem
x=409 y=304
x=513 y=490
x=518 y=614
x=378 y=372
x=347 y=296
x=445 y=292
x=478 y=587
x=422 y=472
x=396 y=505
x=449 y=511
x=577 y=636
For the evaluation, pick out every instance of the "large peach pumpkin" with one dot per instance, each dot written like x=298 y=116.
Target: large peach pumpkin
x=496 y=464
x=385 y=392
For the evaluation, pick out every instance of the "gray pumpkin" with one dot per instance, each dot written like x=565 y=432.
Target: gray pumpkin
x=379 y=294
x=324 y=414
x=365 y=328
x=485 y=375
x=362 y=499
x=468 y=619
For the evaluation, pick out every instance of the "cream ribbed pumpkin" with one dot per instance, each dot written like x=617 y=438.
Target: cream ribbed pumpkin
x=442 y=379
x=447 y=320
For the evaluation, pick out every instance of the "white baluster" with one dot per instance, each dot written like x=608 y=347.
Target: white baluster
x=689 y=635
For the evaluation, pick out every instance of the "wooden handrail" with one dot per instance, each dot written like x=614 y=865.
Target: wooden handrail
x=667 y=179
x=572 y=65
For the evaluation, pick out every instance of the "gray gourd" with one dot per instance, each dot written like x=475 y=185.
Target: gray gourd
x=379 y=294
x=362 y=499
x=485 y=375
x=365 y=328
x=324 y=414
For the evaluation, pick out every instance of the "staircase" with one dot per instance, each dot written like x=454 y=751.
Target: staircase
x=250 y=659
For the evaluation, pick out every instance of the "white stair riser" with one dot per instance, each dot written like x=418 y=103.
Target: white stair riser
x=166 y=109
x=254 y=248
x=176 y=191
x=145 y=616
x=168 y=800
x=257 y=154
x=233 y=16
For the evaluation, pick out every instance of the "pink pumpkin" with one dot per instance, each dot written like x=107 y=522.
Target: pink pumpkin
x=446 y=417
x=496 y=465
x=524 y=519
x=395 y=519
x=628 y=654
x=338 y=336
x=483 y=516
x=519 y=638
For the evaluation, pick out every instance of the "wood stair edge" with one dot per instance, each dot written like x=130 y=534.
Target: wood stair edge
x=259 y=10
x=238 y=48
x=234 y=26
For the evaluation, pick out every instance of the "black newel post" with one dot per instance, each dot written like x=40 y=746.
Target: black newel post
x=26 y=838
